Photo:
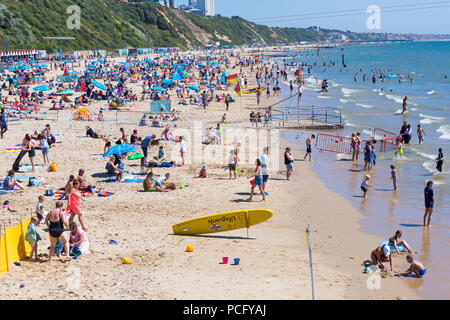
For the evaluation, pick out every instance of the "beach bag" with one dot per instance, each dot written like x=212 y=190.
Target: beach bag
x=59 y=248
x=49 y=193
x=75 y=251
x=54 y=167
x=33 y=183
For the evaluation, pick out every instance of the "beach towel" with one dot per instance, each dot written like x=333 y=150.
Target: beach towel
x=32 y=236
x=4 y=192
x=100 y=157
x=28 y=167
x=129 y=178
x=13 y=149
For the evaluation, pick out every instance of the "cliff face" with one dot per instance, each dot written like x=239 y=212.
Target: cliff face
x=138 y=24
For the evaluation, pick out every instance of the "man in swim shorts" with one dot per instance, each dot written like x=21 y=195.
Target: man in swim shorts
x=429 y=203
x=308 y=147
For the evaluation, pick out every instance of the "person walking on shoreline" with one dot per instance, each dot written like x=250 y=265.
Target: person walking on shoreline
x=429 y=203
x=257 y=181
x=308 y=147
x=289 y=162
x=265 y=168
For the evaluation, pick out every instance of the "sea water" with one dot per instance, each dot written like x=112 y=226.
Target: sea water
x=366 y=106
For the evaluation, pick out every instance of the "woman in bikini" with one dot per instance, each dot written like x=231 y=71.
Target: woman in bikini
x=395 y=242
x=354 y=143
x=56 y=222
x=148 y=182
x=82 y=180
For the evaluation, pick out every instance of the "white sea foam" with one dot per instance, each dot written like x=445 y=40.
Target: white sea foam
x=413 y=109
x=323 y=97
x=431 y=92
x=426 y=155
x=431 y=117
x=445 y=130
x=437 y=182
x=343 y=156
x=430 y=166
x=428 y=121
x=344 y=100
x=397 y=99
x=367 y=106
x=349 y=92
x=367 y=132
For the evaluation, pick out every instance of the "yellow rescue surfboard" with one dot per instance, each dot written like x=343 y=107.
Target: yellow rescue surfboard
x=249 y=91
x=221 y=222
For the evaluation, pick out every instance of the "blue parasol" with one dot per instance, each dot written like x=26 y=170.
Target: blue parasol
x=120 y=149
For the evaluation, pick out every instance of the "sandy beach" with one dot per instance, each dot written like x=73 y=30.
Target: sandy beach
x=274 y=259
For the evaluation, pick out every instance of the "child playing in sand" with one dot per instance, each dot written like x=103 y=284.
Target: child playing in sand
x=365 y=184
x=417 y=268
x=378 y=256
x=161 y=183
x=394 y=176
x=202 y=173
x=40 y=209
x=161 y=154
x=32 y=237
x=7 y=207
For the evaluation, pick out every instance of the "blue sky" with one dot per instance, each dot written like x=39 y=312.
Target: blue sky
x=404 y=20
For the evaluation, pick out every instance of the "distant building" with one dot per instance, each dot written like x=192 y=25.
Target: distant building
x=201 y=7
x=207 y=7
x=193 y=3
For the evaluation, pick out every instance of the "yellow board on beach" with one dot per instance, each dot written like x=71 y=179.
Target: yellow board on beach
x=221 y=222
x=249 y=91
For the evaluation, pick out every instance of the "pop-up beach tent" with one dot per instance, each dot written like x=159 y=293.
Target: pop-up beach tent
x=156 y=106
x=82 y=115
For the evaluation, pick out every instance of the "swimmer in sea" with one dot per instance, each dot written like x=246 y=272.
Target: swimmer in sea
x=405 y=104
x=399 y=150
x=420 y=133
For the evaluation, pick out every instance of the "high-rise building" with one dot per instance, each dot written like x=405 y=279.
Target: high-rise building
x=206 y=6
x=193 y=3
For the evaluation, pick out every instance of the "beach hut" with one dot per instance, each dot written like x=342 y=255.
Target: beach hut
x=82 y=115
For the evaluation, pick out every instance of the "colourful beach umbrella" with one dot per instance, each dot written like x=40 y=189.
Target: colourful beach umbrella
x=195 y=88
x=99 y=85
x=41 y=88
x=66 y=92
x=120 y=149
x=157 y=89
